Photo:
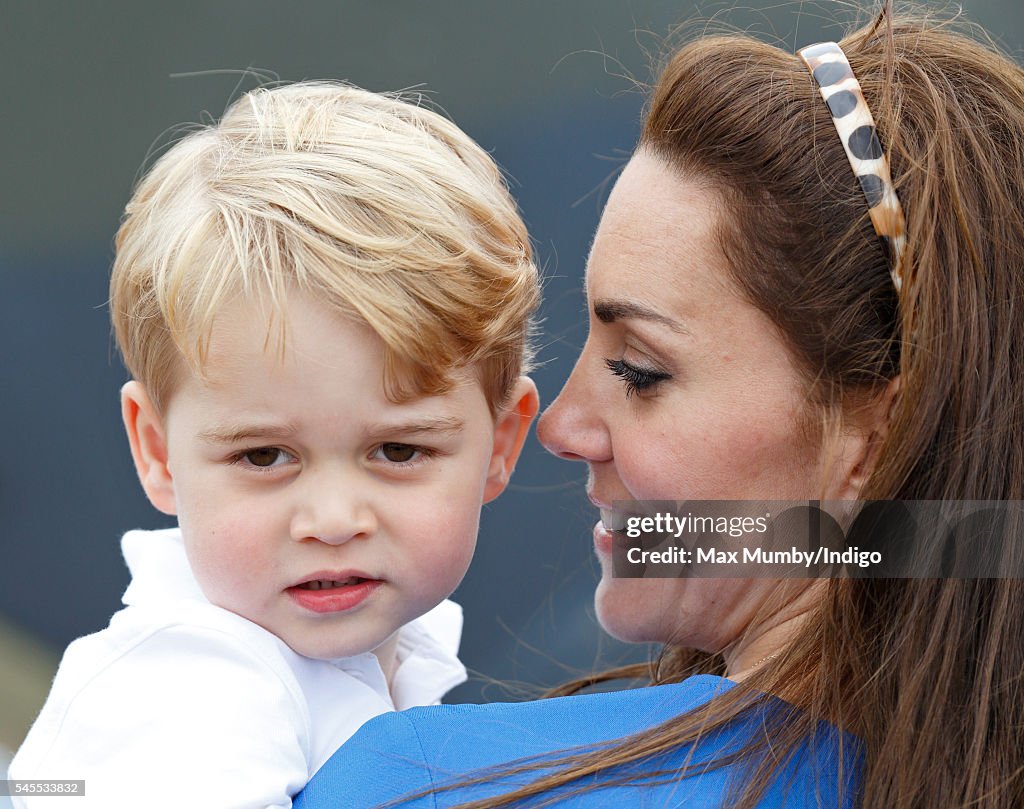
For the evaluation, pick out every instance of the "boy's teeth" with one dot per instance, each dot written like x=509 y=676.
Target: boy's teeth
x=613 y=520
x=325 y=584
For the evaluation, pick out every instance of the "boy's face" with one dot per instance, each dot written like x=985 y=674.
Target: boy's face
x=309 y=503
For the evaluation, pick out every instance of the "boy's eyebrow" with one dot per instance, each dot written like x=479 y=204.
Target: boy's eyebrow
x=233 y=433
x=427 y=424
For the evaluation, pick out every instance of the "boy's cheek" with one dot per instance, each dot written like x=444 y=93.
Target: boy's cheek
x=437 y=561
x=224 y=548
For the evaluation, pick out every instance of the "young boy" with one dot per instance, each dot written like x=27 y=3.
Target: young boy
x=324 y=302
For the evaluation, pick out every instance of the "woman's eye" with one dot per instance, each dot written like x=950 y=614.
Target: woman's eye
x=264 y=457
x=636 y=379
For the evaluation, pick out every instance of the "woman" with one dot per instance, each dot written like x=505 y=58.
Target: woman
x=766 y=323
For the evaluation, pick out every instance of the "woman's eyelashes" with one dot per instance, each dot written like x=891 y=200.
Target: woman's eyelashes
x=636 y=379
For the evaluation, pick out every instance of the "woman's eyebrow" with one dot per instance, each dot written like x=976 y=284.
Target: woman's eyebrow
x=609 y=311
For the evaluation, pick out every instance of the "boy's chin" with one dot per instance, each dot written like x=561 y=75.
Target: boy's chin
x=323 y=651
x=331 y=649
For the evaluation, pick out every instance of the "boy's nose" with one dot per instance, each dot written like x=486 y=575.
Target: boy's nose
x=334 y=514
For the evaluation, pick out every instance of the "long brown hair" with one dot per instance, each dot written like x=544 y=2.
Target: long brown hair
x=926 y=673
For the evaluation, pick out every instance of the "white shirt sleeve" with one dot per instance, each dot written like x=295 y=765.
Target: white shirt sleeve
x=186 y=717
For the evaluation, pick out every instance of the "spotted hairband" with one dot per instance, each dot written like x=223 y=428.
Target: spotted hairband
x=845 y=99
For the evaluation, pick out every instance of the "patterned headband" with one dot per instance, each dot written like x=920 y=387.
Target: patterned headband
x=850 y=113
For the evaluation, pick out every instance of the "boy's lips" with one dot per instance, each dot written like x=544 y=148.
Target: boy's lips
x=332 y=590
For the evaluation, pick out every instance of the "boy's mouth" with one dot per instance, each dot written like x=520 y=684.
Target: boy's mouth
x=333 y=591
x=329 y=584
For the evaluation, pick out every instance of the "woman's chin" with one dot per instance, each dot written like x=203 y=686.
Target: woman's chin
x=624 y=613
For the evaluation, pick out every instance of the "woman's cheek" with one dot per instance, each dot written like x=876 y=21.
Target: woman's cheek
x=655 y=471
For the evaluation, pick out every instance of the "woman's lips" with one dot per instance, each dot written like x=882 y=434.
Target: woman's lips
x=603 y=538
x=610 y=529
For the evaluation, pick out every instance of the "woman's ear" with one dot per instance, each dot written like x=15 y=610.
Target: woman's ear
x=510 y=431
x=861 y=445
x=148 y=442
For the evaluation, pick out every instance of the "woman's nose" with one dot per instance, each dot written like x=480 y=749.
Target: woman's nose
x=334 y=509
x=573 y=427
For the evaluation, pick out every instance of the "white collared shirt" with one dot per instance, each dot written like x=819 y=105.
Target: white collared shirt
x=179 y=703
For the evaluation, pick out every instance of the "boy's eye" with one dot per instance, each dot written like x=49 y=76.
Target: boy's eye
x=398 y=453
x=264 y=457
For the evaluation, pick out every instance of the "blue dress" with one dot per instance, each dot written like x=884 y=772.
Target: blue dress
x=399 y=754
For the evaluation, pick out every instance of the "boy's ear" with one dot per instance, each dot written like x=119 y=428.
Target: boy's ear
x=510 y=433
x=148 y=442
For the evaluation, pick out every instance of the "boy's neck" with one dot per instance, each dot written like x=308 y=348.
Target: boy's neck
x=386 y=655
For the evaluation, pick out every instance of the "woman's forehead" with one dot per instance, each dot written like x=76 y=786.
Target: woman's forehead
x=657 y=244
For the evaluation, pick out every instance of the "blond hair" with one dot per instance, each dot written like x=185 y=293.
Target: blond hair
x=384 y=210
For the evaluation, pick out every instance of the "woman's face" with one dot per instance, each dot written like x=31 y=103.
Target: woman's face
x=683 y=391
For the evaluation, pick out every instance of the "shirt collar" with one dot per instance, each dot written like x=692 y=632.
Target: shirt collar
x=159 y=568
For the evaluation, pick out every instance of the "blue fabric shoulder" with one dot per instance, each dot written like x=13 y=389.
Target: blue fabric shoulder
x=397 y=755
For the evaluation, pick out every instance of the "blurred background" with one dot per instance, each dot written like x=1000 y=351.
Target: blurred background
x=92 y=89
